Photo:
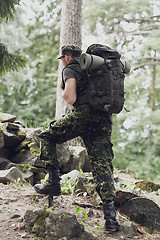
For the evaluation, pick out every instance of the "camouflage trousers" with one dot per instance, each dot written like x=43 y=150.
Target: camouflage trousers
x=95 y=129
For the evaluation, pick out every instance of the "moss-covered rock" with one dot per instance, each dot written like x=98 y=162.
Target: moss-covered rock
x=147 y=186
x=23 y=167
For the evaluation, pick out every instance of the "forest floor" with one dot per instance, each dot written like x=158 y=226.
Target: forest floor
x=15 y=200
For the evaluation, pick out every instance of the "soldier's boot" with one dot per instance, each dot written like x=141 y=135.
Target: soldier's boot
x=52 y=186
x=111 y=223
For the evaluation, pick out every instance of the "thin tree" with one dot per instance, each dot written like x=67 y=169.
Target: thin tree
x=71 y=22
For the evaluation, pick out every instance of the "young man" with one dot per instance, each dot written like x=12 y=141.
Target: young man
x=95 y=129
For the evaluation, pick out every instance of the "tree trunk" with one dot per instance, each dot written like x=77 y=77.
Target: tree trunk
x=71 y=24
x=70 y=34
x=152 y=103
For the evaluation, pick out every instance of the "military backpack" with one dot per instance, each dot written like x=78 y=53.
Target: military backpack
x=105 y=73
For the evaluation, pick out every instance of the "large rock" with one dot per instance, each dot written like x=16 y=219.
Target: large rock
x=25 y=157
x=143 y=211
x=85 y=184
x=77 y=159
x=4 y=162
x=148 y=186
x=5 y=117
x=1 y=139
x=72 y=176
x=11 y=140
x=33 y=134
x=122 y=196
x=4 y=153
x=54 y=225
x=63 y=155
x=9 y=175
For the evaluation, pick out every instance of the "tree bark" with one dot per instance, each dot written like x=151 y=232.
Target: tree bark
x=71 y=33
x=71 y=23
x=152 y=103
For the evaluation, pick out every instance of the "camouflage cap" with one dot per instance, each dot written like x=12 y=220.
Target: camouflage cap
x=76 y=50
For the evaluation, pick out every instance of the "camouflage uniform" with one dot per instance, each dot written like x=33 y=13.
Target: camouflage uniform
x=95 y=129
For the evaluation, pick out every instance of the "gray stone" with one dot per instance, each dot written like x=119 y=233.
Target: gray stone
x=129 y=229
x=12 y=126
x=33 y=133
x=1 y=139
x=123 y=196
x=38 y=163
x=62 y=224
x=73 y=175
x=79 y=154
x=85 y=184
x=63 y=156
x=4 y=153
x=11 y=140
x=28 y=176
x=3 y=163
x=26 y=157
x=5 y=117
x=143 y=211
x=77 y=159
x=54 y=225
x=10 y=175
x=31 y=217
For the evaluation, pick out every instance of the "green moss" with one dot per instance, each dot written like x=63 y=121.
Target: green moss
x=25 y=144
x=30 y=144
x=35 y=151
x=147 y=186
x=39 y=225
x=20 y=132
x=41 y=219
x=23 y=167
x=23 y=150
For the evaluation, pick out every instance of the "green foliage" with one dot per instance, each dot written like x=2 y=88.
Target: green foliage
x=99 y=227
x=80 y=171
x=109 y=15
x=132 y=28
x=31 y=93
x=7 y=9
x=131 y=133
x=23 y=167
x=45 y=179
x=68 y=187
x=9 y=61
x=79 y=210
x=82 y=223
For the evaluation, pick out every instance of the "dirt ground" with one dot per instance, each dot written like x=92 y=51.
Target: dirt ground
x=15 y=200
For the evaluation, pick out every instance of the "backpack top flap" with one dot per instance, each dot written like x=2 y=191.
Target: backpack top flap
x=103 y=51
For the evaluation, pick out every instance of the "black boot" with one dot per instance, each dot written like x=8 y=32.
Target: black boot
x=52 y=186
x=111 y=223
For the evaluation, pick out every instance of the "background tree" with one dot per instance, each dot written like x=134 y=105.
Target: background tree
x=8 y=61
x=135 y=32
x=71 y=19
x=43 y=50
x=133 y=27
x=30 y=94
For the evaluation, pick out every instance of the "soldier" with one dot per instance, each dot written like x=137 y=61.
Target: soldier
x=95 y=129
